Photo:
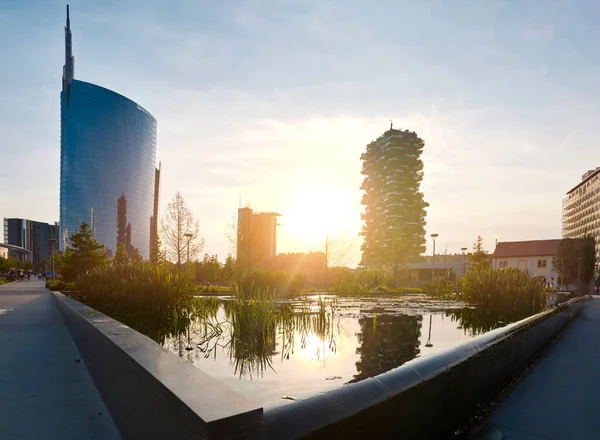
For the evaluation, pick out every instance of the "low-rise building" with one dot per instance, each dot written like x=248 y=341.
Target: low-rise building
x=532 y=256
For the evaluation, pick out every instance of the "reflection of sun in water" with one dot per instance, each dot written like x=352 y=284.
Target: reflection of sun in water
x=315 y=211
x=315 y=349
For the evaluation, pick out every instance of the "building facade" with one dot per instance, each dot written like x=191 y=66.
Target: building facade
x=534 y=257
x=108 y=148
x=38 y=237
x=256 y=238
x=581 y=209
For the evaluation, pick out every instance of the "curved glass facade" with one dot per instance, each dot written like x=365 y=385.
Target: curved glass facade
x=108 y=148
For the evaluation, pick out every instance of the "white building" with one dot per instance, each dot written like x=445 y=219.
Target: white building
x=534 y=257
x=581 y=209
x=3 y=252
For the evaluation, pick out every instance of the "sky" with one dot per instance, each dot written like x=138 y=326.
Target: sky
x=273 y=102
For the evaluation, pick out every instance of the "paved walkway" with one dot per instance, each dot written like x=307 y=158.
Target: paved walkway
x=46 y=392
x=560 y=398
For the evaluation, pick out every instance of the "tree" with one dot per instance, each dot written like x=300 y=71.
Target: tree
x=84 y=254
x=26 y=265
x=336 y=249
x=121 y=258
x=136 y=257
x=177 y=223
x=157 y=254
x=394 y=215
x=479 y=259
x=208 y=269
x=575 y=257
x=228 y=270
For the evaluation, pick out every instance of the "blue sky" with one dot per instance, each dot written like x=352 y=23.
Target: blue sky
x=276 y=100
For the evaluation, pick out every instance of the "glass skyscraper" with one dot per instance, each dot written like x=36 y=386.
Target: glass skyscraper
x=108 y=148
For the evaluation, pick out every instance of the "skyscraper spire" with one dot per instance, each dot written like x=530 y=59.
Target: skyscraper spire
x=69 y=67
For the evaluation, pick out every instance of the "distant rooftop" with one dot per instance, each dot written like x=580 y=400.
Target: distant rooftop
x=531 y=248
x=587 y=176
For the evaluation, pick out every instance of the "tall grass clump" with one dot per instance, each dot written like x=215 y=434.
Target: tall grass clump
x=132 y=287
x=279 y=283
x=507 y=287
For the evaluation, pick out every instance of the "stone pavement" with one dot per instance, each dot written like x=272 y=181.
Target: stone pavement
x=46 y=391
x=560 y=398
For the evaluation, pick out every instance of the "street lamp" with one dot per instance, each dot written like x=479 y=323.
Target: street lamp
x=433 y=237
x=464 y=261
x=189 y=237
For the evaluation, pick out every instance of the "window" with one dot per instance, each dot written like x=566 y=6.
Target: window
x=544 y=263
x=539 y=263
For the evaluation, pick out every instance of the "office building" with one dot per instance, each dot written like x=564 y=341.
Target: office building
x=108 y=148
x=256 y=238
x=581 y=209
x=40 y=238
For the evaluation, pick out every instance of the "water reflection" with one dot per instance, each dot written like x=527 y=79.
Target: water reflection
x=386 y=342
x=298 y=348
x=476 y=321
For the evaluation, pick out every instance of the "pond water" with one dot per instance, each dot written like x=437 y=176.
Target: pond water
x=322 y=341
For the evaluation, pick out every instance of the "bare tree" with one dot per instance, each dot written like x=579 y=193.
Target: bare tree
x=176 y=226
x=336 y=249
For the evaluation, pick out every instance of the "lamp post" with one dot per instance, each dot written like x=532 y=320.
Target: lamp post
x=464 y=261
x=189 y=237
x=578 y=271
x=433 y=237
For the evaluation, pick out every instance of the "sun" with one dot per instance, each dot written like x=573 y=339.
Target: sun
x=316 y=211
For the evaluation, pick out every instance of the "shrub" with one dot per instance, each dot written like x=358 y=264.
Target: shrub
x=132 y=287
x=60 y=285
x=279 y=283
x=495 y=287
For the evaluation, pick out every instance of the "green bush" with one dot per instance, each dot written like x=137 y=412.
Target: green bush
x=278 y=282
x=496 y=287
x=212 y=289
x=134 y=287
x=410 y=290
x=60 y=285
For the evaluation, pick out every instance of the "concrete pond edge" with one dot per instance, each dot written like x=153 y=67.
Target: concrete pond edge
x=151 y=392
x=426 y=397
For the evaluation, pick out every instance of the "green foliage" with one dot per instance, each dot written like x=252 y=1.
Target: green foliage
x=26 y=265
x=479 y=259
x=278 y=282
x=8 y=263
x=228 y=270
x=508 y=287
x=207 y=270
x=213 y=289
x=394 y=228
x=157 y=254
x=575 y=257
x=132 y=287
x=121 y=258
x=60 y=285
x=84 y=254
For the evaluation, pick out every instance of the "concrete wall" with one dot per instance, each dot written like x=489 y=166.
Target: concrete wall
x=151 y=393
x=425 y=398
